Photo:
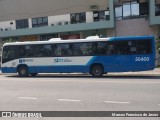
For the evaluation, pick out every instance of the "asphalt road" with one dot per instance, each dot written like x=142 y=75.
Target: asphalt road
x=80 y=93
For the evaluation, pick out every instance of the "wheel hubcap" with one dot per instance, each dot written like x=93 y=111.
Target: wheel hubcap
x=23 y=71
x=97 y=71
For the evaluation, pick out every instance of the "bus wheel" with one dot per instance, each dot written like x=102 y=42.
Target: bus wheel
x=34 y=74
x=23 y=71
x=97 y=71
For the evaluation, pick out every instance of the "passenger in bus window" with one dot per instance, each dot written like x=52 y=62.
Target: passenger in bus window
x=58 y=51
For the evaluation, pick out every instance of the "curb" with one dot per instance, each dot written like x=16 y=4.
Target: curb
x=156 y=71
x=137 y=73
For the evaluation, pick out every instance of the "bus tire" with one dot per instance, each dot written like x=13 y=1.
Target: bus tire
x=23 y=71
x=97 y=70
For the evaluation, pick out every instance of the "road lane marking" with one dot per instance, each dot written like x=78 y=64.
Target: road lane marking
x=116 y=102
x=29 y=98
x=69 y=100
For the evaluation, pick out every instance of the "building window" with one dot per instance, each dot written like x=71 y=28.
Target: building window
x=118 y=12
x=128 y=10
x=157 y=11
x=101 y=15
x=39 y=22
x=144 y=9
x=157 y=8
x=78 y=18
x=135 y=9
x=20 y=24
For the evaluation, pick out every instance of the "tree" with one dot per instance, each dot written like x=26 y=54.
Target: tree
x=157 y=43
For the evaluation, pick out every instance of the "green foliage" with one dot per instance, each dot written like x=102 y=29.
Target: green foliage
x=157 y=43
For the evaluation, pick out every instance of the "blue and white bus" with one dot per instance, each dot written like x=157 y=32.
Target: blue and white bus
x=93 y=55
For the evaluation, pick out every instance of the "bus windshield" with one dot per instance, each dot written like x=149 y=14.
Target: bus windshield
x=9 y=53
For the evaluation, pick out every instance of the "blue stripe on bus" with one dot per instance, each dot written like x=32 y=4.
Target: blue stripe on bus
x=71 y=69
x=58 y=69
x=9 y=70
x=49 y=69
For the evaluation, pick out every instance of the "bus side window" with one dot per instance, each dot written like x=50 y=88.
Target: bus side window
x=110 y=49
x=66 y=49
x=105 y=48
x=38 y=50
x=101 y=48
x=86 y=49
x=144 y=47
x=122 y=47
x=22 y=52
x=56 y=50
x=133 y=46
x=10 y=54
x=77 y=49
x=47 y=50
x=29 y=51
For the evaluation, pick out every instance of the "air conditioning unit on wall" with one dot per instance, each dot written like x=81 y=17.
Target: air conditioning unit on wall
x=94 y=7
x=66 y=23
x=59 y=23
x=52 y=24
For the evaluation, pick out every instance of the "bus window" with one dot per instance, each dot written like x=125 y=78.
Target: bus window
x=82 y=49
x=144 y=46
x=22 y=52
x=41 y=50
x=105 y=48
x=122 y=47
x=132 y=44
x=47 y=50
x=29 y=51
x=9 y=53
x=62 y=50
x=86 y=49
x=66 y=49
x=77 y=49
x=101 y=46
x=38 y=51
x=110 y=48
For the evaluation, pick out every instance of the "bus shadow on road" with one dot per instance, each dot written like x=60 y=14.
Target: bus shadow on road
x=87 y=76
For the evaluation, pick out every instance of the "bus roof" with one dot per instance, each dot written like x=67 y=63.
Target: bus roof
x=57 y=40
x=88 y=39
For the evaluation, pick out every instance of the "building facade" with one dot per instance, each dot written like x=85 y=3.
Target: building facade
x=33 y=20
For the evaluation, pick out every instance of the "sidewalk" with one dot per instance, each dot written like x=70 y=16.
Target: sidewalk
x=156 y=71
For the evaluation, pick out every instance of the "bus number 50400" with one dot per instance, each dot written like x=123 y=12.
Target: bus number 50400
x=142 y=59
